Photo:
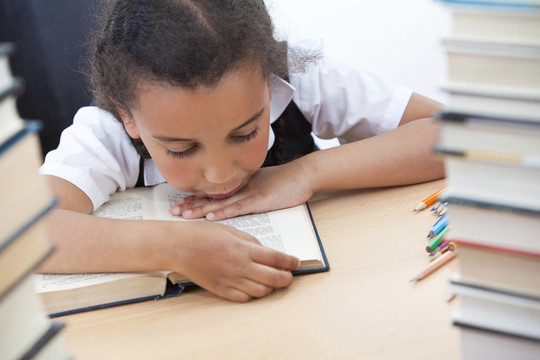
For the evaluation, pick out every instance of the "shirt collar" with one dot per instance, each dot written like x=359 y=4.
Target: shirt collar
x=282 y=94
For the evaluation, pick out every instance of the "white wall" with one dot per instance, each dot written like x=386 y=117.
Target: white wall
x=397 y=39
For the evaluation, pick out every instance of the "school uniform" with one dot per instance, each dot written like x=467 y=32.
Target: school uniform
x=97 y=156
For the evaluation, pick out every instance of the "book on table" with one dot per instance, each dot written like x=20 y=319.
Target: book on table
x=495 y=64
x=499 y=24
x=488 y=266
x=20 y=158
x=493 y=55
x=493 y=100
x=490 y=143
x=503 y=5
x=491 y=159
x=491 y=224
x=496 y=310
x=10 y=121
x=290 y=230
x=26 y=331
x=496 y=324
x=486 y=344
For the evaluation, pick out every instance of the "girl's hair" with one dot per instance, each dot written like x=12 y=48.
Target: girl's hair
x=184 y=43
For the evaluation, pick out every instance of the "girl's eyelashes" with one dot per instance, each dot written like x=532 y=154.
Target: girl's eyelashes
x=248 y=137
x=235 y=139
x=181 y=154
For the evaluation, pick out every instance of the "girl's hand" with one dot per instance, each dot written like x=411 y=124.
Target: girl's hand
x=271 y=188
x=229 y=262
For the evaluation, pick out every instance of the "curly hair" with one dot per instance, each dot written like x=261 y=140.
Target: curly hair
x=185 y=43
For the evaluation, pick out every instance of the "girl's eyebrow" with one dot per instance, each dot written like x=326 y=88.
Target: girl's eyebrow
x=251 y=119
x=169 y=139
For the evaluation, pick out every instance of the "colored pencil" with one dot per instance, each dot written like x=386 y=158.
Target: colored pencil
x=437 y=263
x=431 y=199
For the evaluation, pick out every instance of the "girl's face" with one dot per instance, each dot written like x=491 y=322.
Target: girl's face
x=207 y=141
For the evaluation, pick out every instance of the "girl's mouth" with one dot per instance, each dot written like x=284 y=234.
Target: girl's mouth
x=226 y=195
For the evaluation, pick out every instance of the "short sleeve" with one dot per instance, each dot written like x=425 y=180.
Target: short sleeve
x=95 y=154
x=347 y=103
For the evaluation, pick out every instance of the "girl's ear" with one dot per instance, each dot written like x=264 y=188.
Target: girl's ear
x=129 y=123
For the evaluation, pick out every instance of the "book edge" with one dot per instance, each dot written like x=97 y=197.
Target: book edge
x=458 y=281
x=466 y=325
x=31 y=222
x=454 y=199
x=28 y=272
x=172 y=291
x=461 y=117
x=31 y=127
x=499 y=249
x=326 y=264
x=52 y=332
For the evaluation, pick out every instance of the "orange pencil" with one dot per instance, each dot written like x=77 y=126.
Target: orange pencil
x=435 y=264
x=431 y=199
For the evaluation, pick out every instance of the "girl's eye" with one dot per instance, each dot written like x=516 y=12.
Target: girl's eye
x=181 y=154
x=248 y=137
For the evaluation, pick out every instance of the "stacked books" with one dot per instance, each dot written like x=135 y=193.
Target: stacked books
x=490 y=143
x=25 y=331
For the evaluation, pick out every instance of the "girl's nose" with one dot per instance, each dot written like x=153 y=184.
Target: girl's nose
x=220 y=168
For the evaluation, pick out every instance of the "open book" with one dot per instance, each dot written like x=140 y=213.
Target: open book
x=289 y=230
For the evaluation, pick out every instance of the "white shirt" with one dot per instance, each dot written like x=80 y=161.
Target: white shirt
x=97 y=156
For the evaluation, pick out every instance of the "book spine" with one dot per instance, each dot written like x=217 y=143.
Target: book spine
x=53 y=331
x=496 y=157
x=466 y=325
x=488 y=205
x=505 y=4
x=31 y=127
x=500 y=249
x=42 y=212
x=466 y=117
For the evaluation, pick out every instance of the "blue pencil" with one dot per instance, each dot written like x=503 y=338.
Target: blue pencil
x=439 y=225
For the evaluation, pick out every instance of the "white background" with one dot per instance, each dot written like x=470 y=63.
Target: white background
x=399 y=40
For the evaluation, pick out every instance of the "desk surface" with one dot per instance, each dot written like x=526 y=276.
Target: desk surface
x=363 y=308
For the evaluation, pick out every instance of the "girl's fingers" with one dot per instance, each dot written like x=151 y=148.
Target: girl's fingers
x=245 y=289
x=269 y=277
x=195 y=203
x=241 y=207
x=186 y=199
x=234 y=294
x=196 y=209
x=274 y=259
x=254 y=288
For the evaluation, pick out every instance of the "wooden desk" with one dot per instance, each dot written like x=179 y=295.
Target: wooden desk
x=364 y=308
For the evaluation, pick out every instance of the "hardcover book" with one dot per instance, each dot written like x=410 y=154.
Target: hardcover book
x=290 y=230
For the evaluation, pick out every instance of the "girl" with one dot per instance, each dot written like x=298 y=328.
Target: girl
x=199 y=94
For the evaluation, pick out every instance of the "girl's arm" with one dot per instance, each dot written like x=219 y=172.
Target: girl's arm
x=398 y=157
x=225 y=261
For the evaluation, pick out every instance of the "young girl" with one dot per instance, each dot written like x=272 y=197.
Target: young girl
x=199 y=94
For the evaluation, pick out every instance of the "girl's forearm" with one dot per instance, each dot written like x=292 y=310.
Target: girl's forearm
x=402 y=156
x=85 y=243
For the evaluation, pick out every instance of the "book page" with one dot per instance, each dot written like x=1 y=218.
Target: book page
x=288 y=230
x=135 y=204
x=58 y=282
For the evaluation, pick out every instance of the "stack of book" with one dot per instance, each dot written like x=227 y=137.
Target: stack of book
x=490 y=143
x=26 y=331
